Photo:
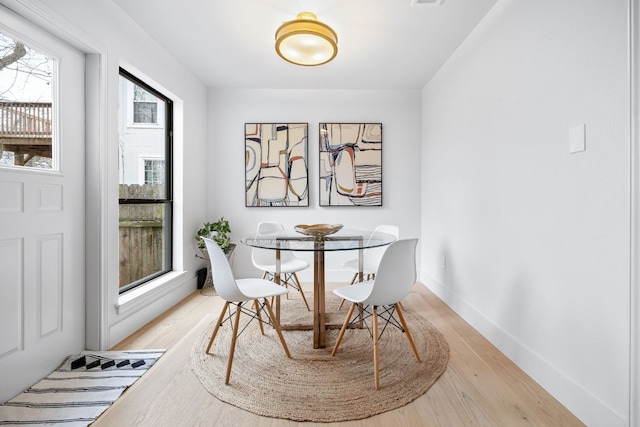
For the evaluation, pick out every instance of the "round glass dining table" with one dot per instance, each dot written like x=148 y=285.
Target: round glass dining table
x=343 y=240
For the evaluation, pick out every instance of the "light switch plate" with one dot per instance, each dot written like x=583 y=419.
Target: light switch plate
x=577 y=139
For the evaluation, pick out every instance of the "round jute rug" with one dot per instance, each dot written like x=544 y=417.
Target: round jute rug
x=313 y=385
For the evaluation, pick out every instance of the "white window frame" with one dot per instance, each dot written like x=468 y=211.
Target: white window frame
x=168 y=200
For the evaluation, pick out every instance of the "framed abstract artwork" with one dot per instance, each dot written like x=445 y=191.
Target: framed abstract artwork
x=350 y=164
x=276 y=167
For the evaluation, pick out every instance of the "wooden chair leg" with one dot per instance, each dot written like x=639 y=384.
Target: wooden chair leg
x=355 y=277
x=285 y=283
x=295 y=277
x=215 y=330
x=277 y=326
x=343 y=329
x=233 y=344
x=375 y=348
x=407 y=333
x=256 y=305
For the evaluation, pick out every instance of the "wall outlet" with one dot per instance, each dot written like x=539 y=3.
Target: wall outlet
x=443 y=262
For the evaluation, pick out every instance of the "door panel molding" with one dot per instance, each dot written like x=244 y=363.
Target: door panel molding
x=12 y=301
x=48 y=197
x=49 y=287
x=11 y=197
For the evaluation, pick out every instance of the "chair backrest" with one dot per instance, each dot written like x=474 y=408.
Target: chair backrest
x=373 y=256
x=396 y=274
x=267 y=256
x=222 y=274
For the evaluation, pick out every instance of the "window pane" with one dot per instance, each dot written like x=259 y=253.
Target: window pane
x=26 y=76
x=144 y=242
x=145 y=112
x=140 y=143
x=154 y=172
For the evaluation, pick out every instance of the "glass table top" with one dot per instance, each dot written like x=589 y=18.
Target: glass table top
x=344 y=240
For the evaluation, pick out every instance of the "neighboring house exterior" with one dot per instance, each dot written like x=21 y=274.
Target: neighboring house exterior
x=141 y=132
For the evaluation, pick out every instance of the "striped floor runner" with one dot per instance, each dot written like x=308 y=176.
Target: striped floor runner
x=78 y=391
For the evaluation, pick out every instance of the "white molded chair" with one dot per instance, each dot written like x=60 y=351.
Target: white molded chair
x=237 y=293
x=394 y=279
x=371 y=257
x=265 y=259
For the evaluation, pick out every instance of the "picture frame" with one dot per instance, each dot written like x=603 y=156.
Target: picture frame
x=276 y=164
x=350 y=164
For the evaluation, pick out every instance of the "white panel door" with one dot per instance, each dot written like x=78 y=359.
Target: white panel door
x=42 y=234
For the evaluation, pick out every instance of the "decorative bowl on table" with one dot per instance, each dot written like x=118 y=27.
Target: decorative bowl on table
x=318 y=230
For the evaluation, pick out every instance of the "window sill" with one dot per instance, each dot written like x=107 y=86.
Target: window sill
x=145 y=294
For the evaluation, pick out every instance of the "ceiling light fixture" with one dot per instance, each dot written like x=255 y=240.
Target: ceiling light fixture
x=306 y=41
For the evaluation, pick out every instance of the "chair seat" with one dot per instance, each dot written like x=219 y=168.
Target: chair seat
x=290 y=266
x=352 y=266
x=355 y=293
x=260 y=288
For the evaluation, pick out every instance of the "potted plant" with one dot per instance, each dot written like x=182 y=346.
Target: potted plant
x=218 y=232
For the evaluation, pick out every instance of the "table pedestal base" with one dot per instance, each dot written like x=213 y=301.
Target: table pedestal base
x=319 y=315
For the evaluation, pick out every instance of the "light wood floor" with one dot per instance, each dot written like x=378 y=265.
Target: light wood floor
x=480 y=387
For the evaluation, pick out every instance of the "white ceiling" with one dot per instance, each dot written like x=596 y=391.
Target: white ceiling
x=382 y=44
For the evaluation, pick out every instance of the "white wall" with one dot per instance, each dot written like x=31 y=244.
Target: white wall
x=101 y=27
x=536 y=239
x=399 y=113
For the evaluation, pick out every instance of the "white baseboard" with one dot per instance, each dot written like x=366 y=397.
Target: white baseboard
x=576 y=399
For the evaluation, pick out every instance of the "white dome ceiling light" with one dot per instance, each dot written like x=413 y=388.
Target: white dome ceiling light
x=306 y=41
